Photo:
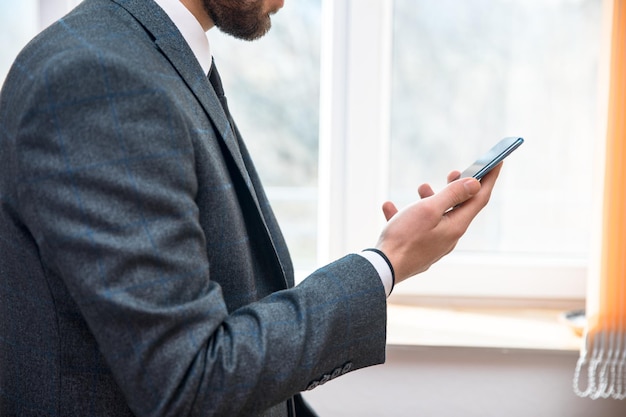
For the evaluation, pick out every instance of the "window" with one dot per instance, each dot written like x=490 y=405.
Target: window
x=424 y=86
x=468 y=73
x=347 y=103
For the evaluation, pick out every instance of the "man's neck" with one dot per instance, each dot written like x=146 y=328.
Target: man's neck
x=197 y=9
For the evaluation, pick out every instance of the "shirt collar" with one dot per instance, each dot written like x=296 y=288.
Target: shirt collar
x=191 y=30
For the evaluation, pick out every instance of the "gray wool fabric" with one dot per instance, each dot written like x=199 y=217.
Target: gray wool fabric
x=142 y=271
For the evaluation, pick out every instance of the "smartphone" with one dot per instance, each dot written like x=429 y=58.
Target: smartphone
x=491 y=159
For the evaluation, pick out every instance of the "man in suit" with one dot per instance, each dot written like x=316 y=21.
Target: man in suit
x=142 y=271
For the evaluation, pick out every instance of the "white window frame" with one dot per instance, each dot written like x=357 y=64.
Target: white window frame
x=354 y=123
x=354 y=154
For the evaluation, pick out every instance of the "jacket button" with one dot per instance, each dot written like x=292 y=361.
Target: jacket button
x=313 y=385
x=325 y=379
x=346 y=368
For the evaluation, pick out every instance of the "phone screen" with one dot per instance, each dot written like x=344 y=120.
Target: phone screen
x=492 y=158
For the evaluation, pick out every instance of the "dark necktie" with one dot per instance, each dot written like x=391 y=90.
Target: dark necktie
x=216 y=82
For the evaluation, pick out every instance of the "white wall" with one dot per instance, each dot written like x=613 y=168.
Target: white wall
x=462 y=382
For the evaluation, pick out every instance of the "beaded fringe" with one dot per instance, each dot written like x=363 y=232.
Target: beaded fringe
x=602 y=365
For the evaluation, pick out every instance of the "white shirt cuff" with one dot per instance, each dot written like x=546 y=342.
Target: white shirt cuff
x=381 y=267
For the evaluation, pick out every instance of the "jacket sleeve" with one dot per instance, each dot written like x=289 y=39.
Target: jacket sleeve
x=107 y=185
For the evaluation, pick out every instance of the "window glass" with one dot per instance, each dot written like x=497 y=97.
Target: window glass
x=273 y=90
x=467 y=73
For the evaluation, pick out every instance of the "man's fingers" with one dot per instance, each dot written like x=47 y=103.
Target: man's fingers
x=457 y=192
x=453 y=176
x=425 y=191
x=389 y=210
x=468 y=211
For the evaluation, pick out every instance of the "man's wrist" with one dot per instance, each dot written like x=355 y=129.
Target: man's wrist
x=383 y=266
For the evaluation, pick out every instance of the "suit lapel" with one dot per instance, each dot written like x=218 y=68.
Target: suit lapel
x=170 y=41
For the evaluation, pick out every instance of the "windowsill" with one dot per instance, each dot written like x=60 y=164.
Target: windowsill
x=506 y=328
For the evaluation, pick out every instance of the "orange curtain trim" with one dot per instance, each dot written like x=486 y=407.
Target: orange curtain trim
x=612 y=306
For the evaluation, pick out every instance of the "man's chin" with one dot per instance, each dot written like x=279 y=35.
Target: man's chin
x=276 y=7
x=249 y=22
x=251 y=35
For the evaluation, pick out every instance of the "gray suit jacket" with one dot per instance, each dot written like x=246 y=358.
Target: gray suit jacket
x=142 y=271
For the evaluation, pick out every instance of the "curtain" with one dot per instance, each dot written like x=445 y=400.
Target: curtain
x=601 y=368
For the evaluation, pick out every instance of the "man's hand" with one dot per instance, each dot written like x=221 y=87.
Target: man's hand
x=425 y=231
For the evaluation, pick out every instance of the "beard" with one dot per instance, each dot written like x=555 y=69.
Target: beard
x=244 y=19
